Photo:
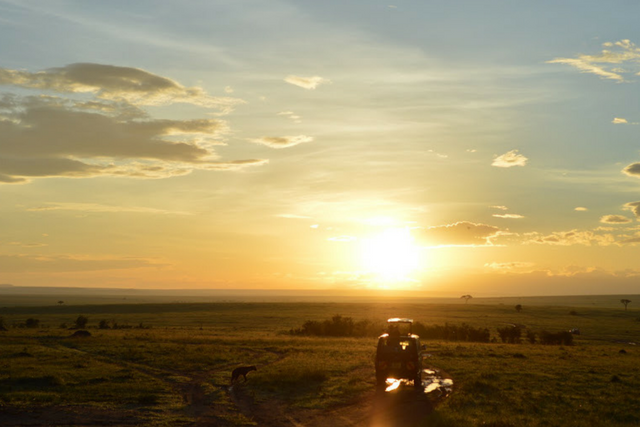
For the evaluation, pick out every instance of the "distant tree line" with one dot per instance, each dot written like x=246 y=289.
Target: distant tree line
x=81 y=322
x=339 y=326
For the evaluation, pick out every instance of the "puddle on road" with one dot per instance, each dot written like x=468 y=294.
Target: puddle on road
x=432 y=382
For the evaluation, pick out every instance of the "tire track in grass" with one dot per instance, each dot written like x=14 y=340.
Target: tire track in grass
x=193 y=394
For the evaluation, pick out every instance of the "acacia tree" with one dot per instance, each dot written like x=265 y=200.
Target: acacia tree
x=466 y=298
x=519 y=308
x=625 y=302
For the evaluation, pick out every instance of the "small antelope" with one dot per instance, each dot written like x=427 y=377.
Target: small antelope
x=243 y=370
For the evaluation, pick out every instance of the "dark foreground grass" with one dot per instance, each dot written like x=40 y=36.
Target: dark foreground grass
x=176 y=373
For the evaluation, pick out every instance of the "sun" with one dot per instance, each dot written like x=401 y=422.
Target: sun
x=390 y=256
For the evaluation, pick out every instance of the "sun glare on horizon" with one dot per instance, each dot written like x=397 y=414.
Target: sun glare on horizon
x=391 y=257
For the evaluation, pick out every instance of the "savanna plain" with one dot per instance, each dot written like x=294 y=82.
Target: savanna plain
x=169 y=364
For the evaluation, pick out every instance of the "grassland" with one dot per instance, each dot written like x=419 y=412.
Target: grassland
x=175 y=370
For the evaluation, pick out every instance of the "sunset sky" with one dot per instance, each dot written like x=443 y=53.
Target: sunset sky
x=459 y=147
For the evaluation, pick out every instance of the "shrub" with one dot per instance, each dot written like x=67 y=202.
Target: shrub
x=337 y=326
x=81 y=322
x=32 y=323
x=103 y=324
x=510 y=334
x=557 y=338
x=450 y=332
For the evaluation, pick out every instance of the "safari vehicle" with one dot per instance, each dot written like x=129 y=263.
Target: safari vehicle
x=398 y=354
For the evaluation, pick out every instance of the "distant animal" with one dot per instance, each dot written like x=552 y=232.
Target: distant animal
x=242 y=370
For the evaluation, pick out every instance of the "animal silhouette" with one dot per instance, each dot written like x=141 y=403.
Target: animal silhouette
x=242 y=370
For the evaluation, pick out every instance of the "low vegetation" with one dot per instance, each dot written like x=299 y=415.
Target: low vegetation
x=177 y=373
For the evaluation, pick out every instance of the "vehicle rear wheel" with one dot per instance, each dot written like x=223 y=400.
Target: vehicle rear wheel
x=417 y=381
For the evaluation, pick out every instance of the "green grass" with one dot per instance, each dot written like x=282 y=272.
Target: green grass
x=178 y=371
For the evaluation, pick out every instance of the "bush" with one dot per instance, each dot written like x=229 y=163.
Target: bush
x=104 y=324
x=32 y=323
x=338 y=326
x=557 y=338
x=464 y=332
x=81 y=322
x=510 y=334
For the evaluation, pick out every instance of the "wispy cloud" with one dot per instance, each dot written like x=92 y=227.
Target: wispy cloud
x=282 y=141
x=509 y=266
x=619 y=121
x=291 y=115
x=581 y=209
x=70 y=263
x=607 y=64
x=343 y=238
x=615 y=219
x=462 y=233
x=306 y=82
x=509 y=159
x=97 y=208
x=508 y=216
x=573 y=237
x=633 y=207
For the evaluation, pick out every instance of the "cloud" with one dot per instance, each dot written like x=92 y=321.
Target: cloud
x=573 y=237
x=290 y=114
x=343 y=238
x=50 y=136
x=615 y=219
x=632 y=170
x=282 y=141
x=633 y=207
x=462 y=233
x=509 y=159
x=631 y=240
x=581 y=209
x=509 y=266
x=293 y=216
x=618 y=121
x=113 y=83
x=69 y=263
x=607 y=64
x=510 y=216
x=306 y=82
x=97 y=208
x=502 y=208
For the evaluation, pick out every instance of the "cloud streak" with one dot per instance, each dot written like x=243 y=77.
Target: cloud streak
x=462 y=233
x=282 y=141
x=608 y=63
x=309 y=83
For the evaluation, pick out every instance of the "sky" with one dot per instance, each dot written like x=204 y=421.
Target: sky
x=447 y=148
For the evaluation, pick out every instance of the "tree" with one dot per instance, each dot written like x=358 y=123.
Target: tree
x=519 y=308
x=60 y=302
x=466 y=298
x=625 y=302
x=81 y=322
